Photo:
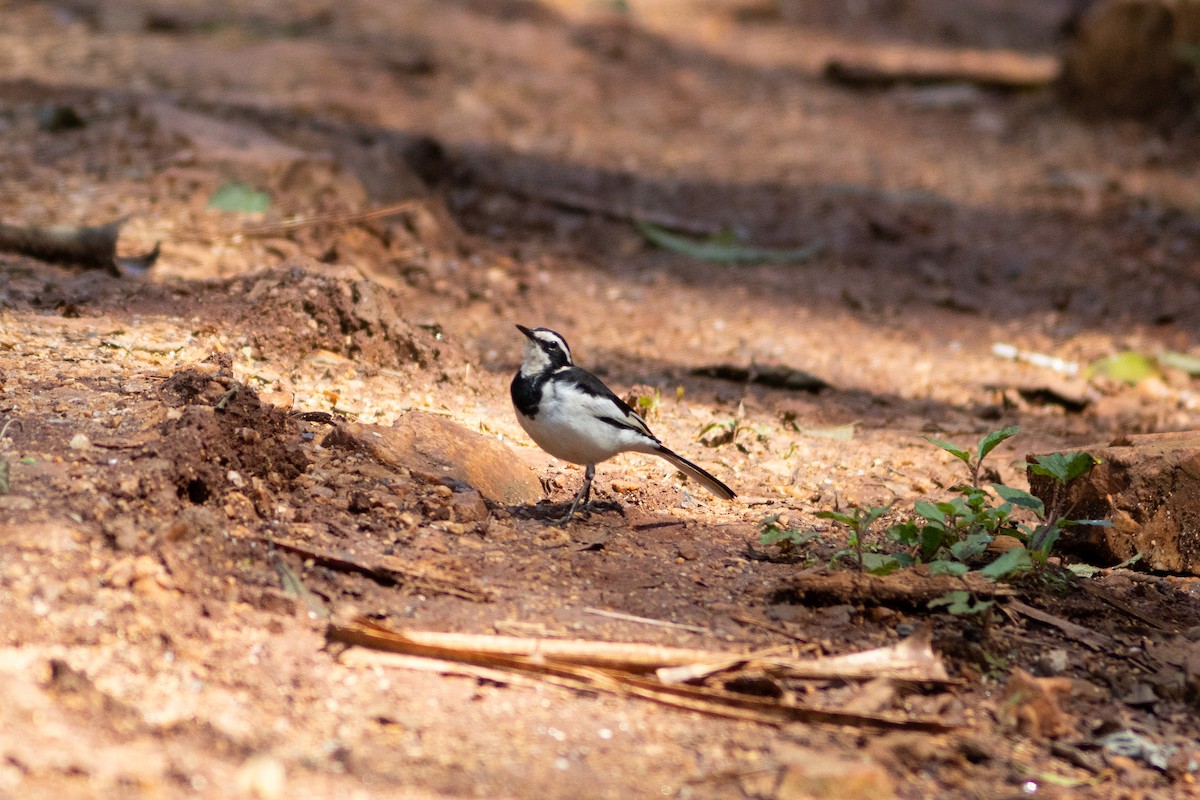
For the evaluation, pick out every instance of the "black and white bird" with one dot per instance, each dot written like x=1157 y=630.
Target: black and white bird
x=572 y=415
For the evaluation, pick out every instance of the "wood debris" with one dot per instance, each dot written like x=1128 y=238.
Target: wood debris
x=627 y=669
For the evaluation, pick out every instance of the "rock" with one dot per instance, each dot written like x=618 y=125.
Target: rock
x=439 y=448
x=1030 y=706
x=1002 y=543
x=813 y=775
x=144 y=574
x=468 y=506
x=1149 y=487
x=216 y=139
x=1127 y=57
x=1053 y=662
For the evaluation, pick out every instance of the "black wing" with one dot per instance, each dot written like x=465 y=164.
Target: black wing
x=592 y=386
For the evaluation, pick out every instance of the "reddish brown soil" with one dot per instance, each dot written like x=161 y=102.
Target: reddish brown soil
x=154 y=449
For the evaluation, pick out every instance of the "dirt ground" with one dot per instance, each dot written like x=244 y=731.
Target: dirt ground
x=151 y=430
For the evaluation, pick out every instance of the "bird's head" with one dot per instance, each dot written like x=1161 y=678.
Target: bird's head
x=544 y=350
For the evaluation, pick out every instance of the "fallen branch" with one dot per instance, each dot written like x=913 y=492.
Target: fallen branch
x=1003 y=71
x=480 y=653
x=662 y=623
x=91 y=247
x=385 y=569
x=905 y=589
x=1091 y=639
x=776 y=376
x=630 y=657
x=1107 y=596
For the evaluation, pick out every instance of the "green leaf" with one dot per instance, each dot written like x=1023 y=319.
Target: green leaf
x=879 y=564
x=1063 y=467
x=837 y=516
x=872 y=515
x=954 y=450
x=1129 y=562
x=789 y=538
x=1020 y=497
x=943 y=567
x=1045 y=540
x=905 y=533
x=1181 y=361
x=955 y=506
x=960 y=603
x=989 y=442
x=1080 y=464
x=721 y=251
x=973 y=545
x=929 y=511
x=239 y=197
x=1099 y=523
x=932 y=538
x=1129 y=367
x=1009 y=563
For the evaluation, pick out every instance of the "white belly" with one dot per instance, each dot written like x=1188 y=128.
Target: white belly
x=566 y=428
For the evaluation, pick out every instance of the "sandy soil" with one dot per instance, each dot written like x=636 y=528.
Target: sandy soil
x=154 y=445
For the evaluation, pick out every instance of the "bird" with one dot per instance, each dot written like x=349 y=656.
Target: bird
x=573 y=416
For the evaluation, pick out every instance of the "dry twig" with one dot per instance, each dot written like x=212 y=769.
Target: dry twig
x=574 y=665
x=385 y=569
x=337 y=218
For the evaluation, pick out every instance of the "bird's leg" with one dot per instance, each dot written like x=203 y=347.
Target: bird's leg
x=585 y=492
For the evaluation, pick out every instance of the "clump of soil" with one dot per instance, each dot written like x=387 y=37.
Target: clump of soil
x=224 y=436
x=294 y=307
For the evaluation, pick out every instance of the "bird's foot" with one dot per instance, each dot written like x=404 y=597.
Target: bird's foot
x=575 y=506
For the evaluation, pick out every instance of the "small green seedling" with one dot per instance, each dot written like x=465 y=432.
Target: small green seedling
x=960 y=603
x=646 y=405
x=715 y=434
x=986 y=445
x=788 y=539
x=859 y=521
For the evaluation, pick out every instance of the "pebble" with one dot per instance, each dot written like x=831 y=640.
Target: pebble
x=1052 y=662
x=80 y=441
x=262 y=777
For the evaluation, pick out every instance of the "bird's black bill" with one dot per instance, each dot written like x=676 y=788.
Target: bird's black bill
x=527 y=331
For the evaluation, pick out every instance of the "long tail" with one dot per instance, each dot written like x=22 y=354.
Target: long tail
x=696 y=473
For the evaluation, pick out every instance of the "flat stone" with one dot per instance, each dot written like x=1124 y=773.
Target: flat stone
x=439 y=448
x=812 y=775
x=1148 y=486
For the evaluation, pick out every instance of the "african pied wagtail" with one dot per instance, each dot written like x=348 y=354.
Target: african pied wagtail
x=572 y=415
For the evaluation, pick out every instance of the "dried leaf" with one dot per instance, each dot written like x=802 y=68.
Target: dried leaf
x=724 y=252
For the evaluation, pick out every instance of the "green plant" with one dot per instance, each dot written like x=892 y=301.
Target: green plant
x=951 y=535
x=986 y=445
x=787 y=539
x=859 y=521
x=960 y=603
x=963 y=527
x=715 y=434
x=646 y=405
